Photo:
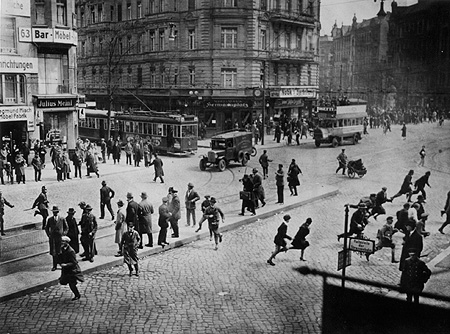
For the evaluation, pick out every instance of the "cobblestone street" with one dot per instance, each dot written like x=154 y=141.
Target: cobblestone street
x=194 y=289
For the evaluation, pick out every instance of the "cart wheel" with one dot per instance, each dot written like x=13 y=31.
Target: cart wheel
x=244 y=160
x=254 y=152
x=351 y=173
x=202 y=164
x=361 y=175
x=317 y=142
x=222 y=165
x=335 y=142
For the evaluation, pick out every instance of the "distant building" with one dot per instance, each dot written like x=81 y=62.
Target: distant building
x=326 y=63
x=214 y=59
x=37 y=71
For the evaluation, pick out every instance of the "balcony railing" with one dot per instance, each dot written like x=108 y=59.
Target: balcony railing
x=301 y=18
x=291 y=54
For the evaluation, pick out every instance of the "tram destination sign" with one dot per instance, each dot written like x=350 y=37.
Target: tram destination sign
x=361 y=245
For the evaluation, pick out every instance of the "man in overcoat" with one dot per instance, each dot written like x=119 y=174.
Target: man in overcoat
x=56 y=227
x=89 y=227
x=264 y=162
x=145 y=220
x=158 y=165
x=132 y=210
x=3 y=202
x=258 y=188
x=190 y=198
x=163 y=222
x=174 y=208
x=41 y=203
x=412 y=239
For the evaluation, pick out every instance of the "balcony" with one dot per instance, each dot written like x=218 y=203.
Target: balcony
x=303 y=19
x=291 y=55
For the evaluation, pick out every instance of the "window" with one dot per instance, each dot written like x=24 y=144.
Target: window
x=261 y=77
x=100 y=13
x=12 y=89
x=161 y=39
x=162 y=75
x=130 y=77
x=119 y=12
x=152 y=40
x=191 y=39
x=192 y=75
x=83 y=49
x=300 y=6
x=175 y=6
x=8 y=35
x=139 y=44
x=120 y=44
x=61 y=15
x=299 y=76
x=175 y=77
x=191 y=5
x=152 y=76
x=40 y=11
x=129 y=45
x=53 y=73
x=111 y=13
x=275 y=74
x=262 y=39
x=151 y=6
x=129 y=11
x=93 y=15
x=139 y=76
x=230 y=3
x=229 y=36
x=228 y=77
x=139 y=10
x=82 y=17
x=94 y=77
x=309 y=75
x=289 y=5
x=161 y=6
x=100 y=45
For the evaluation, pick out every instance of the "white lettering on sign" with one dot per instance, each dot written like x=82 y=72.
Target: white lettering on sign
x=361 y=245
x=14 y=64
x=16 y=7
x=21 y=113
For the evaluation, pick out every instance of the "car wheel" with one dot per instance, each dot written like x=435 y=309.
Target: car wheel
x=317 y=142
x=202 y=164
x=254 y=152
x=222 y=165
x=335 y=142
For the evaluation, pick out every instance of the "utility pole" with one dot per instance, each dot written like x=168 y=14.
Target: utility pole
x=263 y=103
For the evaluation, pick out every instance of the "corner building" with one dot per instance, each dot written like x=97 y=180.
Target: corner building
x=223 y=60
x=37 y=71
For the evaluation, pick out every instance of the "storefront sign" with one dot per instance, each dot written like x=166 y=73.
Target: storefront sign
x=15 y=64
x=50 y=103
x=45 y=35
x=16 y=113
x=227 y=104
x=290 y=92
x=16 y=7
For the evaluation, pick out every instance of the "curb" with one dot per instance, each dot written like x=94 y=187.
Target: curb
x=176 y=244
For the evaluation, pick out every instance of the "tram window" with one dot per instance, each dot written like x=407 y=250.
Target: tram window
x=160 y=129
x=189 y=131
x=141 y=127
x=144 y=128
x=111 y=125
x=340 y=123
x=176 y=131
x=164 y=130
x=127 y=126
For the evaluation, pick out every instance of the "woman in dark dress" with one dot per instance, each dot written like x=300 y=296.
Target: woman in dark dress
x=248 y=199
x=300 y=241
x=73 y=232
x=292 y=177
x=70 y=270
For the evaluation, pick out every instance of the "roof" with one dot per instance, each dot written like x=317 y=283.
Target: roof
x=231 y=134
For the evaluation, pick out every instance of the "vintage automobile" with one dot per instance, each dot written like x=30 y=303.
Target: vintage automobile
x=235 y=145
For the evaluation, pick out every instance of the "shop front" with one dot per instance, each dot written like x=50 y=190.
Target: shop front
x=15 y=124
x=57 y=118
x=293 y=102
x=226 y=114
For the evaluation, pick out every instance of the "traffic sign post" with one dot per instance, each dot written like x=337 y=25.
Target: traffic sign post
x=348 y=259
x=361 y=245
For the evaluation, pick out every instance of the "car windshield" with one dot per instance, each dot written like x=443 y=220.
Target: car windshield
x=218 y=144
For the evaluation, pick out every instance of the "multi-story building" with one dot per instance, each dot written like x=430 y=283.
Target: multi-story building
x=37 y=71
x=217 y=59
x=325 y=65
x=419 y=54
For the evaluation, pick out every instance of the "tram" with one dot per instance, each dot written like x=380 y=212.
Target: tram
x=168 y=132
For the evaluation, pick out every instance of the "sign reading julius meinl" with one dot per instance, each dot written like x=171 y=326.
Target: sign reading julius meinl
x=43 y=103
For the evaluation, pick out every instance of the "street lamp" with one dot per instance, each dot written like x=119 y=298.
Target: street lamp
x=194 y=95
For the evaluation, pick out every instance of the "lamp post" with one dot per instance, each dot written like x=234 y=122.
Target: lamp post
x=194 y=95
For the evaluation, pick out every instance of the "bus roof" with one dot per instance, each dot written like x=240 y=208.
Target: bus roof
x=231 y=134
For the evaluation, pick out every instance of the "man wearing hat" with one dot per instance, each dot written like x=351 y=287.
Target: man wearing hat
x=70 y=270
x=264 y=162
x=279 y=240
x=446 y=211
x=379 y=201
x=120 y=225
x=213 y=214
x=258 y=189
x=41 y=203
x=73 y=230
x=420 y=226
x=174 y=208
x=158 y=165
x=163 y=222
x=190 y=198
x=342 y=159
x=132 y=210
x=56 y=227
x=89 y=227
x=414 y=276
x=384 y=237
x=420 y=206
x=145 y=220
x=3 y=202
x=412 y=239
x=106 y=194
x=357 y=223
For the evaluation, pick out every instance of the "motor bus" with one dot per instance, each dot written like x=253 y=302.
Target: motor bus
x=339 y=123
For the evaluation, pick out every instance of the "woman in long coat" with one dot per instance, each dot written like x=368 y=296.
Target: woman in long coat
x=70 y=270
x=130 y=242
x=292 y=177
x=120 y=225
x=73 y=231
x=300 y=241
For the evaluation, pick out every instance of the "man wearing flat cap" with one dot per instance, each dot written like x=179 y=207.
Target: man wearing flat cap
x=357 y=223
x=55 y=228
x=190 y=198
x=145 y=220
x=89 y=227
x=106 y=194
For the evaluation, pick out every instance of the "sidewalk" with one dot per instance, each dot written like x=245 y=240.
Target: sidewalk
x=33 y=274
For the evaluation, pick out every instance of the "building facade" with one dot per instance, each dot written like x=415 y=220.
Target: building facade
x=223 y=60
x=37 y=71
